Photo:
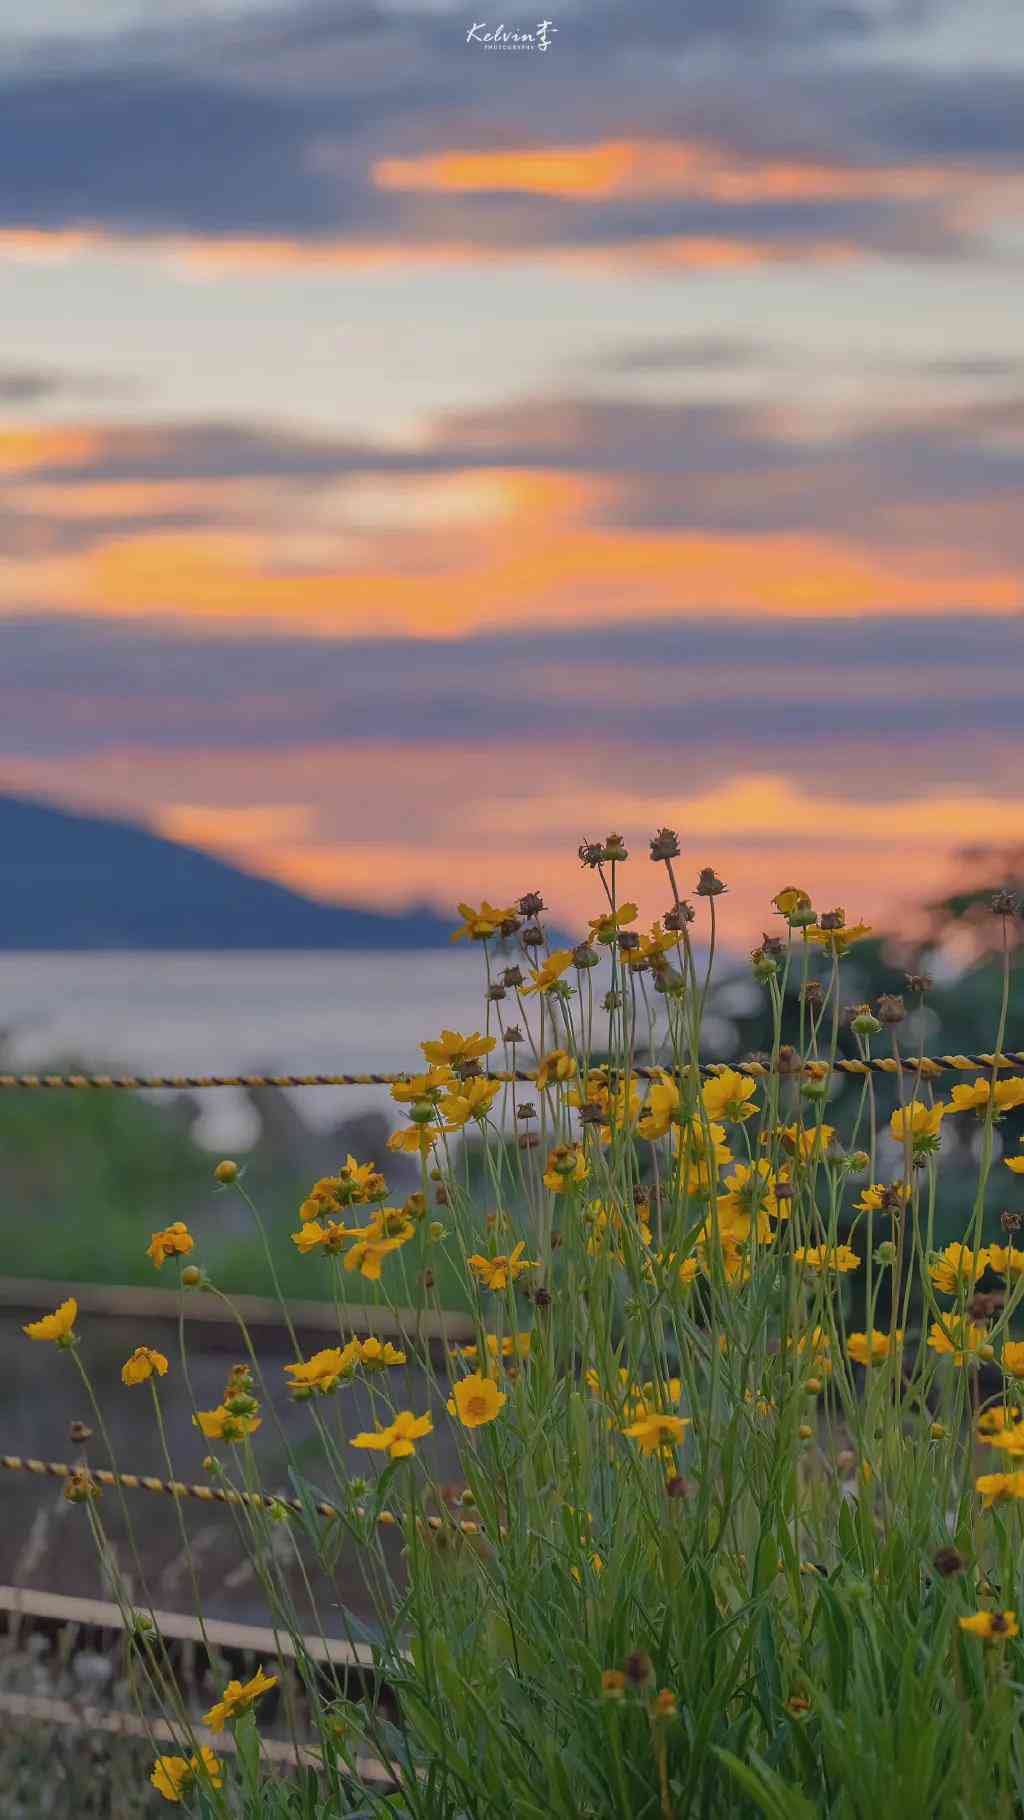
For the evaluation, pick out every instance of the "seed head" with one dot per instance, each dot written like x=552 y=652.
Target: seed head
x=919 y=982
x=665 y=844
x=614 y=848
x=891 y=1009
x=1011 y=1222
x=709 y=884
x=79 y=1433
x=512 y=976
x=531 y=904
x=1005 y=903
x=532 y=938
x=591 y=854
x=677 y=918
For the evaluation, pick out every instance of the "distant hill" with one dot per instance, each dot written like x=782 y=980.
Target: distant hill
x=83 y=881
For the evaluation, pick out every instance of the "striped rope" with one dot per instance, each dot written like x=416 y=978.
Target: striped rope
x=929 y=1065
x=207 y=1494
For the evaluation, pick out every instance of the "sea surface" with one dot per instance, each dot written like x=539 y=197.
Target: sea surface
x=275 y=1012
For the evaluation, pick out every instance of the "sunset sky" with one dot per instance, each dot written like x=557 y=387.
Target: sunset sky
x=417 y=457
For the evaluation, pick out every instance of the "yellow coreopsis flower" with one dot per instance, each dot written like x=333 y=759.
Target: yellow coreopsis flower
x=174 y=1241
x=660 y=1108
x=881 y=1195
x=237 y=1698
x=1009 y=1439
x=699 y=1170
x=790 y=898
x=145 y=1360
x=962 y=1340
x=1013 y=1358
x=652 y=947
x=428 y=1086
x=221 y=1424
x=1004 y=1097
x=498 y=1272
x=871 y=1350
x=549 y=973
x=999 y=1487
x=823 y=1258
x=471 y=1099
x=802 y=1141
x=567 y=1166
x=315 y=1233
x=476 y=1400
x=997 y=1418
x=517 y=1345
x=557 y=1065
x=956 y=1267
x=1016 y=1163
x=749 y=1192
x=837 y=941
x=455 y=1049
x=729 y=1095
x=605 y=928
x=992 y=1626
x=478 y=925
x=1006 y=1260
x=378 y=1353
x=368 y=1253
x=655 y=1431
x=919 y=1125
x=324 y=1370
x=414 y=1140
x=173 y=1776
x=398 y=1439
x=58 y=1326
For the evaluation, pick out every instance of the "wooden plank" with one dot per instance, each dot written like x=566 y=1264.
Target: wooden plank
x=357 y=1318
x=182 y=1626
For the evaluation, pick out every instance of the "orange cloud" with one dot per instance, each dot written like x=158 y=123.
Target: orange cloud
x=651 y=168
x=526 y=572
x=22 y=450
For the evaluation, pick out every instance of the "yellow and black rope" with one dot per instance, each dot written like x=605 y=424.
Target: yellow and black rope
x=205 y=1494
x=929 y=1065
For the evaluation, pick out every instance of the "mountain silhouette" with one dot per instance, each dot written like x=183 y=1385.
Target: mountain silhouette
x=72 y=881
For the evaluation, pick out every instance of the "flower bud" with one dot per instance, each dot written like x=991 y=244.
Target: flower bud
x=227 y=1171
x=191 y=1277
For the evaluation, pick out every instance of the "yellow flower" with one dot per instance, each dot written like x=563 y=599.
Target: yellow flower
x=750 y=1192
x=237 y=1698
x=318 y=1232
x=476 y=1400
x=729 y=1095
x=919 y=1124
x=512 y=1344
x=142 y=1364
x=996 y=1419
x=1013 y=1358
x=871 y=1351
x=374 y=1353
x=991 y=1625
x=221 y=1424
x=557 y=1065
x=660 y=1108
x=368 y=1253
x=1007 y=1095
x=477 y=925
x=567 y=1166
x=455 y=1049
x=824 y=1257
x=1009 y=1439
x=324 y=1370
x=471 y=1099
x=964 y=1341
x=656 y=1431
x=353 y=1186
x=838 y=940
x=995 y=1487
x=803 y=1141
x=498 y=1272
x=173 y=1776
x=174 y=1241
x=542 y=978
x=791 y=898
x=414 y=1140
x=57 y=1326
x=652 y=948
x=956 y=1267
x=1016 y=1163
x=427 y=1086
x=882 y=1195
x=1006 y=1260
x=399 y=1438
x=605 y=928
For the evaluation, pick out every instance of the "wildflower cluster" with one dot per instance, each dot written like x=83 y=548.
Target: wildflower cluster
x=738 y=1438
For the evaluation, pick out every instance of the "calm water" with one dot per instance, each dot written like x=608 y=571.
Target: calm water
x=225 y=1014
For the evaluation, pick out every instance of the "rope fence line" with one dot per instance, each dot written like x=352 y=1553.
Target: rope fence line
x=927 y=1065
x=212 y=1494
